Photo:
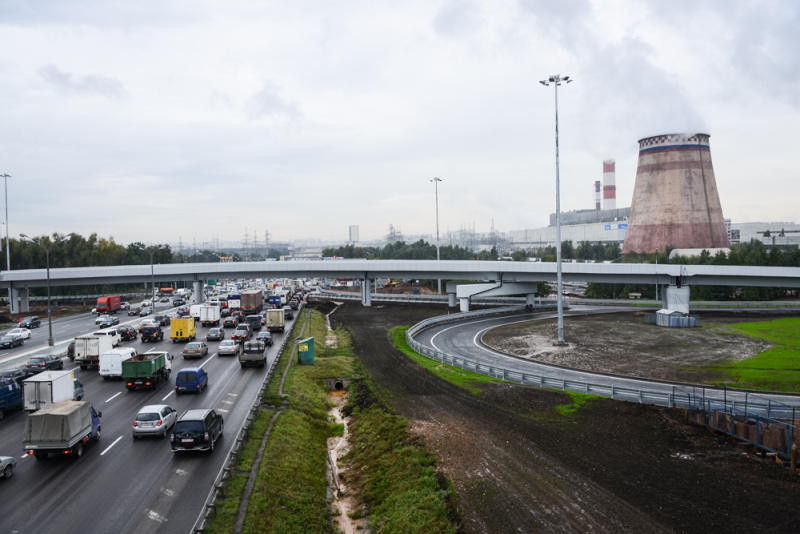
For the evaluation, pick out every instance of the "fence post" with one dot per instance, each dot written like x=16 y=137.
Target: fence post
x=612 y=391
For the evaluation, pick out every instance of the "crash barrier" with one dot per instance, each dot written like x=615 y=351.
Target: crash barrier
x=777 y=419
x=764 y=432
x=228 y=466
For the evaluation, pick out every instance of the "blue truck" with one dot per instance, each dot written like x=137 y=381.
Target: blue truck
x=274 y=301
x=10 y=396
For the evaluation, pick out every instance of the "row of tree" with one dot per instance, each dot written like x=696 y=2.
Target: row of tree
x=400 y=250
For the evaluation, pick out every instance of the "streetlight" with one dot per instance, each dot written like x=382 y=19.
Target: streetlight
x=556 y=80
x=47 y=261
x=436 y=181
x=6 y=176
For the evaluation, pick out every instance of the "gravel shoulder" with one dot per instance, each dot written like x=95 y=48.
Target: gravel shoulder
x=518 y=466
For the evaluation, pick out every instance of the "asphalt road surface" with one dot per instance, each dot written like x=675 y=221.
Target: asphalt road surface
x=120 y=485
x=463 y=339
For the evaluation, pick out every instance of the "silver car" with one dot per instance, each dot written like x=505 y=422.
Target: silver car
x=7 y=464
x=228 y=347
x=154 y=420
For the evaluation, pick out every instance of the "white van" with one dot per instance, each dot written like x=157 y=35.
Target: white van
x=111 y=362
x=112 y=332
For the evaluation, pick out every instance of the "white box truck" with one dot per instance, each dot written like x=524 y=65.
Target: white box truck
x=47 y=387
x=111 y=362
x=275 y=321
x=194 y=311
x=61 y=428
x=89 y=348
x=209 y=315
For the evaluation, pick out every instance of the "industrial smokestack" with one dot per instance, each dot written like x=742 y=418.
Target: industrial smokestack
x=597 y=194
x=675 y=199
x=609 y=185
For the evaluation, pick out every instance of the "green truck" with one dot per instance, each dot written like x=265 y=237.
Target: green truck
x=145 y=370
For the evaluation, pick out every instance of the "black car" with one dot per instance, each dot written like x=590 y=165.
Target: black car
x=152 y=333
x=71 y=351
x=287 y=313
x=37 y=364
x=183 y=311
x=242 y=332
x=108 y=323
x=215 y=334
x=264 y=336
x=196 y=430
x=30 y=322
x=230 y=322
x=8 y=342
x=126 y=333
x=224 y=312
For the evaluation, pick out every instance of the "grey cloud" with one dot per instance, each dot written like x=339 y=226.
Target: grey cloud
x=455 y=17
x=89 y=84
x=268 y=103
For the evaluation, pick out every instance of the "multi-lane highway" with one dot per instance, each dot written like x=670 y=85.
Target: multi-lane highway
x=122 y=485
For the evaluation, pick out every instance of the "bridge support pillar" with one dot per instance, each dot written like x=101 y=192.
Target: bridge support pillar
x=464 y=304
x=366 y=297
x=13 y=302
x=451 y=300
x=24 y=300
x=676 y=298
x=530 y=299
x=197 y=289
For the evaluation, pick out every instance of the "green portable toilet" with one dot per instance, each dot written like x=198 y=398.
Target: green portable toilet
x=305 y=351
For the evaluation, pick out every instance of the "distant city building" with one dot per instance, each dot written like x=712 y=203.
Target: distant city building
x=353 y=234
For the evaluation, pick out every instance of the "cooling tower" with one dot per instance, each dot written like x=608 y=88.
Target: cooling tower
x=675 y=199
x=609 y=185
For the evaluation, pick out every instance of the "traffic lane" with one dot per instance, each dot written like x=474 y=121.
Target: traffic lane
x=130 y=475
x=463 y=339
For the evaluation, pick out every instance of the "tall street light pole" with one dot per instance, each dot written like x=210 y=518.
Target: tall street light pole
x=6 y=176
x=436 y=181
x=556 y=80
x=47 y=262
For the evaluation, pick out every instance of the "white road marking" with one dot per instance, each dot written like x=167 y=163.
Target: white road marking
x=109 y=447
x=24 y=455
x=223 y=410
x=114 y=396
x=169 y=492
x=233 y=394
x=227 y=402
x=155 y=516
x=181 y=472
x=208 y=360
x=165 y=397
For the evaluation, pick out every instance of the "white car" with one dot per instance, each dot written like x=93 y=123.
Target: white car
x=101 y=318
x=154 y=420
x=24 y=333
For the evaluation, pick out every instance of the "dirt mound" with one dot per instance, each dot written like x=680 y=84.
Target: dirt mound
x=518 y=466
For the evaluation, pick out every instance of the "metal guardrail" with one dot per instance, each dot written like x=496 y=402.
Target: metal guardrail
x=209 y=506
x=765 y=410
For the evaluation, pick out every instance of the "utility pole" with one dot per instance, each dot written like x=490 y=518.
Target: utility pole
x=436 y=181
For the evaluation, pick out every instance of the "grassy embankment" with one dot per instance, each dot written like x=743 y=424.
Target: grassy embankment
x=469 y=380
x=290 y=490
x=775 y=369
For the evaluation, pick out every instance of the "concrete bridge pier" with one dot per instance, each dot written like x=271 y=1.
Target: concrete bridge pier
x=676 y=298
x=366 y=298
x=451 y=299
x=20 y=300
x=197 y=289
x=530 y=299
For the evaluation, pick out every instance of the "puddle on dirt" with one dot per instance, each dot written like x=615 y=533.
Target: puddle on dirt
x=342 y=503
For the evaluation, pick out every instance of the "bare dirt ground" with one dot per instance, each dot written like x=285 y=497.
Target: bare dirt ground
x=614 y=467
x=623 y=344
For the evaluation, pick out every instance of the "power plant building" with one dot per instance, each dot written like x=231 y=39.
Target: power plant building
x=675 y=199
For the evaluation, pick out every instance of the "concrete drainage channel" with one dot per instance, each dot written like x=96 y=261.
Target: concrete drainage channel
x=210 y=504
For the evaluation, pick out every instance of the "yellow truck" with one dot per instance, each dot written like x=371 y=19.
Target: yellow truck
x=182 y=329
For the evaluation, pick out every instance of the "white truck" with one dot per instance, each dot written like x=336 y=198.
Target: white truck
x=47 y=387
x=89 y=348
x=209 y=315
x=275 y=320
x=194 y=311
x=111 y=362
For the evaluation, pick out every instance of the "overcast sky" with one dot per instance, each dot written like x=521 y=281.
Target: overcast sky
x=154 y=120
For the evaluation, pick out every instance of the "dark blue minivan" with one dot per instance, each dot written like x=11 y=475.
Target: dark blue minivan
x=191 y=379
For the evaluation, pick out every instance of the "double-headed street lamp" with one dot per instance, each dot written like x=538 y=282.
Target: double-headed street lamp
x=436 y=181
x=46 y=248
x=556 y=80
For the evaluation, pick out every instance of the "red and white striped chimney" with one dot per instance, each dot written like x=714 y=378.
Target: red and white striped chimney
x=597 y=194
x=609 y=185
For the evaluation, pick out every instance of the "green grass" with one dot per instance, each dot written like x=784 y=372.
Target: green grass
x=579 y=400
x=396 y=478
x=775 y=369
x=459 y=377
